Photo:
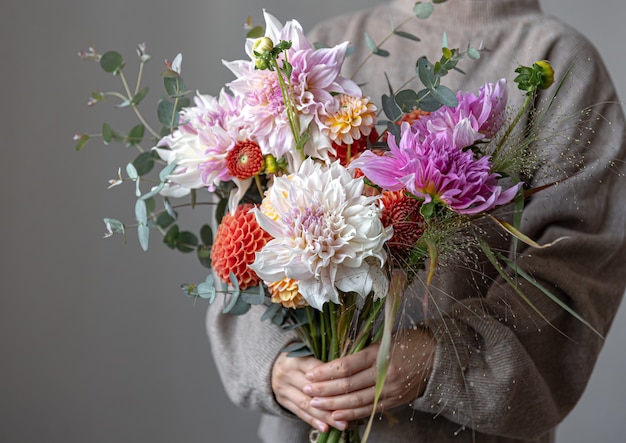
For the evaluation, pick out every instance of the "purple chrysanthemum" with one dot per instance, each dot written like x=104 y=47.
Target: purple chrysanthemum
x=434 y=169
x=475 y=118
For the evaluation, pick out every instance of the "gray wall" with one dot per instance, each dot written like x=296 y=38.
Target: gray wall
x=97 y=343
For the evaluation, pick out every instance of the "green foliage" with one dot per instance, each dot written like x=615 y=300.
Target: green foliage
x=82 y=141
x=135 y=136
x=256 y=32
x=112 y=62
x=144 y=163
x=423 y=10
x=376 y=50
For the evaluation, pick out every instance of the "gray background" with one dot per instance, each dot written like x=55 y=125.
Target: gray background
x=97 y=343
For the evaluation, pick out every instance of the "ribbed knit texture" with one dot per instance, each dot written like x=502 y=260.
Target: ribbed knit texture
x=502 y=374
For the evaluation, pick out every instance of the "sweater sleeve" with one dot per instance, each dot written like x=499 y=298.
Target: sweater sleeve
x=515 y=368
x=244 y=350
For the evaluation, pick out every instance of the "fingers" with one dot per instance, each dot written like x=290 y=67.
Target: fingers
x=288 y=380
x=345 y=366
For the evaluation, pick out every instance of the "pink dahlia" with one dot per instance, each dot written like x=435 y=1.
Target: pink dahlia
x=434 y=169
x=476 y=117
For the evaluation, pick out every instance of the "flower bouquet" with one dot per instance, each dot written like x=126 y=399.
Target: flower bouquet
x=326 y=211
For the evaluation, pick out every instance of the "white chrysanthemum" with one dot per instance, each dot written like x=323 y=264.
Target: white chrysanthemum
x=327 y=234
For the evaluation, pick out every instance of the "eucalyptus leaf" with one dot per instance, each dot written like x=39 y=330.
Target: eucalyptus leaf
x=407 y=100
x=294 y=347
x=425 y=71
x=114 y=226
x=204 y=255
x=423 y=10
x=427 y=102
x=112 y=62
x=186 y=241
x=131 y=171
x=231 y=302
x=391 y=108
x=174 y=86
x=220 y=210
x=206 y=235
x=240 y=307
x=255 y=32
x=139 y=96
x=305 y=352
x=473 y=53
x=143 y=163
x=164 y=220
x=406 y=35
x=271 y=311
x=254 y=295
x=445 y=96
x=171 y=236
x=143 y=231
x=169 y=209
x=107 y=133
x=167 y=115
x=135 y=135
x=82 y=141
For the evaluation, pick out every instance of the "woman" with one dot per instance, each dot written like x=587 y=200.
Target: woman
x=487 y=368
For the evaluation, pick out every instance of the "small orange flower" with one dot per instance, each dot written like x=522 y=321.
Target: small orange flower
x=238 y=237
x=355 y=117
x=285 y=292
x=245 y=160
x=403 y=213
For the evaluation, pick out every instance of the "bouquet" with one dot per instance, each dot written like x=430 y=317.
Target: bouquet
x=327 y=205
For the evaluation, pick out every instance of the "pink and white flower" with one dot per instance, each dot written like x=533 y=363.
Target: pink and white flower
x=434 y=169
x=200 y=146
x=314 y=82
x=326 y=234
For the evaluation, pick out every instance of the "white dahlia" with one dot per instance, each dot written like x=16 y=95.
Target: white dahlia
x=326 y=234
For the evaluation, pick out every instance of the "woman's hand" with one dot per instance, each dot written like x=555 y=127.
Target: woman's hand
x=288 y=381
x=345 y=387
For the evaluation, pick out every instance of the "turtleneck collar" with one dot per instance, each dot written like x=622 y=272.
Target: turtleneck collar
x=476 y=13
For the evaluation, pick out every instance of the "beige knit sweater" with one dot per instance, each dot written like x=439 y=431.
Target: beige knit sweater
x=501 y=372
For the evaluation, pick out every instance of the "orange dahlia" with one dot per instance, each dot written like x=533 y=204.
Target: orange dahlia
x=403 y=213
x=238 y=237
x=285 y=292
x=355 y=117
x=245 y=160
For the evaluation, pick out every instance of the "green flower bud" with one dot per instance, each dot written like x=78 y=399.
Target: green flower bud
x=546 y=74
x=271 y=165
x=262 y=45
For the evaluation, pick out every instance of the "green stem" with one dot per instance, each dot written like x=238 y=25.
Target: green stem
x=313 y=332
x=334 y=345
x=387 y=37
x=135 y=108
x=287 y=99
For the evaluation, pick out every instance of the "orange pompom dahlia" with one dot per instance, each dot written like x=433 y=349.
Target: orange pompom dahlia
x=245 y=160
x=238 y=237
x=403 y=213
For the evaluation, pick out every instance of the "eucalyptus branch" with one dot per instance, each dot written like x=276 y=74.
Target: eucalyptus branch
x=135 y=108
x=382 y=42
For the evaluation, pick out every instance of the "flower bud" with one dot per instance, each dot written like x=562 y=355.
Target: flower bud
x=546 y=74
x=262 y=45
x=271 y=165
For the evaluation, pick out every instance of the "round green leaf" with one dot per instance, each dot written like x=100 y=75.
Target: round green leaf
x=112 y=61
x=143 y=163
x=423 y=10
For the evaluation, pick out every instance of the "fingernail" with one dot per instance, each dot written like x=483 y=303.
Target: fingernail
x=307 y=389
x=320 y=426
x=309 y=375
x=316 y=402
x=341 y=425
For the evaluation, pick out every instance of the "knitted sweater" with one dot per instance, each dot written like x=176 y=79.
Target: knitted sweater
x=502 y=372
